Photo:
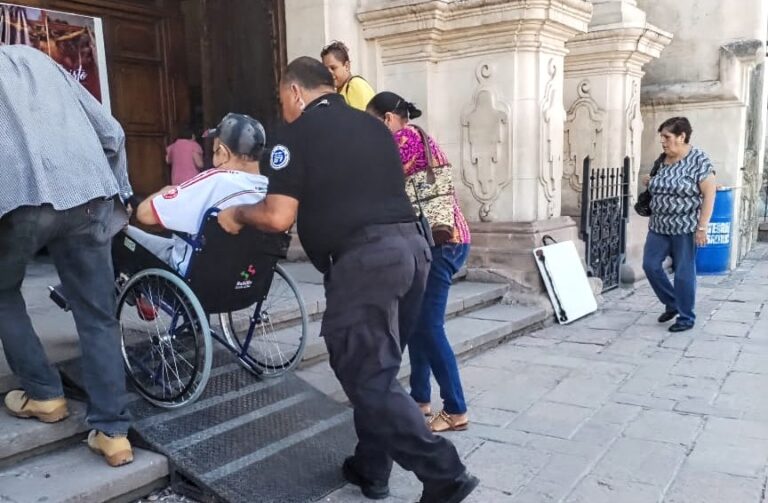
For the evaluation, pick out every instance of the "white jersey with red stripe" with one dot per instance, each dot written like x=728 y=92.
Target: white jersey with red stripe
x=182 y=208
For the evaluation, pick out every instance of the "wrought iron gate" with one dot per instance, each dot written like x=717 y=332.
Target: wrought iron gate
x=604 y=214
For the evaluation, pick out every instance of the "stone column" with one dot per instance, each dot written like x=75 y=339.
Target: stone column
x=489 y=77
x=603 y=72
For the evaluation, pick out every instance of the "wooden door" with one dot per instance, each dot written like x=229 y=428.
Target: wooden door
x=146 y=71
x=243 y=51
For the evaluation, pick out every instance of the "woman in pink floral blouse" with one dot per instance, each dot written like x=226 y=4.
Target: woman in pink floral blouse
x=429 y=348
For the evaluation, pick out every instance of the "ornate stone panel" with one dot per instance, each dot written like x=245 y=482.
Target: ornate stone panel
x=583 y=136
x=552 y=141
x=486 y=144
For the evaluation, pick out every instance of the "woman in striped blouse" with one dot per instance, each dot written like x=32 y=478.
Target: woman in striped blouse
x=683 y=196
x=429 y=348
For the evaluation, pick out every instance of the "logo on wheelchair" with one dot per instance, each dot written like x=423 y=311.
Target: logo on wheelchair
x=246 y=280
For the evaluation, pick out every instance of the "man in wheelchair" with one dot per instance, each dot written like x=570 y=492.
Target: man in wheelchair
x=235 y=179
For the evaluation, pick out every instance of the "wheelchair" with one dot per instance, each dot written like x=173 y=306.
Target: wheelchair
x=164 y=316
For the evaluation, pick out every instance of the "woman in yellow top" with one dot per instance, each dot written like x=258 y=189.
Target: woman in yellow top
x=356 y=90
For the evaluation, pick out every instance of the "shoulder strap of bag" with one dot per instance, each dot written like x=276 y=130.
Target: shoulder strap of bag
x=657 y=164
x=349 y=81
x=428 y=154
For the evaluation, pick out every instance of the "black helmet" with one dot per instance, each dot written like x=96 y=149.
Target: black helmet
x=242 y=134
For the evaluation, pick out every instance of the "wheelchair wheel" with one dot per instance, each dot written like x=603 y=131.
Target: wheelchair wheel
x=271 y=334
x=166 y=340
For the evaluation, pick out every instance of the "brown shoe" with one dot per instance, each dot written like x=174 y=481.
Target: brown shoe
x=18 y=403
x=116 y=450
x=443 y=421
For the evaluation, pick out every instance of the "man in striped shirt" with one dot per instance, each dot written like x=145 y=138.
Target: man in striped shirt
x=62 y=172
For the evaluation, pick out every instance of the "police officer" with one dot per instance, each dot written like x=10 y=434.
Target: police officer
x=339 y=170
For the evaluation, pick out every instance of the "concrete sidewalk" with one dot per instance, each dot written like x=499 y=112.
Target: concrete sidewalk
x=615 y=409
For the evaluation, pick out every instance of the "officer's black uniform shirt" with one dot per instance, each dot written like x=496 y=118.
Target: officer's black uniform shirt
x=344 y=168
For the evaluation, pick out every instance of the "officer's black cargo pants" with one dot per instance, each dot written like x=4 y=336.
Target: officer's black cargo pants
x=373 y=294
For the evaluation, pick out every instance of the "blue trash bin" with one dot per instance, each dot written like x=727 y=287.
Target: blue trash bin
x=715 y=257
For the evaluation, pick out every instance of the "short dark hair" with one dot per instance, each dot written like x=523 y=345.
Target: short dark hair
x=387 y=101
x=339 y=50
x=678 y=126
x=307 y=72
x=185 y=132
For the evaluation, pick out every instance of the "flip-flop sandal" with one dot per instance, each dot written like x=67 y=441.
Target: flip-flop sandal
x=444 y=422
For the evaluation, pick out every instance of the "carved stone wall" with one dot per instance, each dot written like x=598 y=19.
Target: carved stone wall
x=486 y=146
x=583 y=139
x=488 y=76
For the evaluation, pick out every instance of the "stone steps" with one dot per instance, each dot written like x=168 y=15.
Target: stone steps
x=24 y=438
x=468 y=333
x=40 y=462
x=75 y=474
x=464 y=297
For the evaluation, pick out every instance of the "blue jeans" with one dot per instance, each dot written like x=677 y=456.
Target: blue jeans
x=428 y=345
x=79 y=242
x=681 y=297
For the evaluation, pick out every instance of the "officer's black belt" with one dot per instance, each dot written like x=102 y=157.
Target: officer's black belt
x=372 y=233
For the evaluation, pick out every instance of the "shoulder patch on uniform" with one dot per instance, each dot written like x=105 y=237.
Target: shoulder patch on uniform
x=280 y=157
x=171 y=194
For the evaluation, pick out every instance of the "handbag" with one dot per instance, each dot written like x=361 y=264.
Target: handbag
x=643 y=204
x=432 y=192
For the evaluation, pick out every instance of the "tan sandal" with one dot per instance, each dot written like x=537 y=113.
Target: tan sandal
x=448 y=422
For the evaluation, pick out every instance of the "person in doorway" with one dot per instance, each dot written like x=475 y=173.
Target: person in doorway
x=362 y=233
x=63 y=171
x=357 y=92
x=185 y=156
x=235 y=179
x=429 y=349
x=682 y=199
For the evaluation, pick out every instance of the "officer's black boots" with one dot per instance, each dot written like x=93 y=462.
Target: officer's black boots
x=370 y=489
x=454 y=492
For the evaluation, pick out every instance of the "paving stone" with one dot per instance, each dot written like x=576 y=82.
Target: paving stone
x=498 y=434
x=636 y=348
x=588 y=336
x=554 y=481
x=491 y=417
x=692 y=485
x=701 y=367
x=725 y=314
x=721 y=349
x=596 y=490
x=612 y=320
x=644 y=461
x=554 y=419
x=727 y=328
x=677 y=340
x=731 y=455
x=506 y=468
x=752 y=363
x=614 y=413
x=654 y=333
x=705 y=408
x=587 y=391
x=663 y=426
x=677 y=387
x=520 y=391
x=746 y=392
x=578 y=349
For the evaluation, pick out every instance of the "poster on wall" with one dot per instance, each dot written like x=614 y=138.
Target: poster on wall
x=75 y=42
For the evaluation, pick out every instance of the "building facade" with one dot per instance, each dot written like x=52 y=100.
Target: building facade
x=519 y=93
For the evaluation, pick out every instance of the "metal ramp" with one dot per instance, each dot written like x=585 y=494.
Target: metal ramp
x=247 y=440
